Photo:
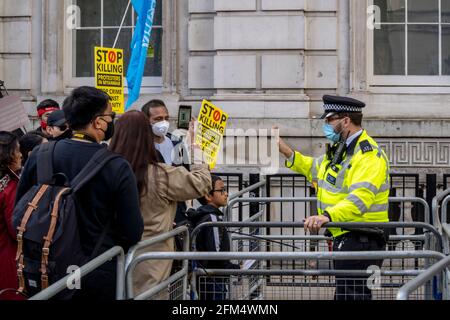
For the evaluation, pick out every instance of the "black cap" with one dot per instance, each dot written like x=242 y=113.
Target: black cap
x=336 y=104
x=56 y=118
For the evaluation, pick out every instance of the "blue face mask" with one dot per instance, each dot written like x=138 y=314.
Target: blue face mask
x=330 y=134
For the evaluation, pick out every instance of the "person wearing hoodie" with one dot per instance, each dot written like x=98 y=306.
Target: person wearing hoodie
x=57 y=127
x=212 y=239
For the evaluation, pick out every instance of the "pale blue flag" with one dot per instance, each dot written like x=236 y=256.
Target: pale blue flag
x=145 y=10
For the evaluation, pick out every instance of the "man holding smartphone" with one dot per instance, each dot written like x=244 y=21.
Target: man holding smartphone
x=165 y=142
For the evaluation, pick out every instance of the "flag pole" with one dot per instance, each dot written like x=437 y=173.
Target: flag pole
x=121 y=24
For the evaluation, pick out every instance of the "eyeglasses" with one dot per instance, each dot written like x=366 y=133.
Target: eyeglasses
x=222 y=191
x=112 y=115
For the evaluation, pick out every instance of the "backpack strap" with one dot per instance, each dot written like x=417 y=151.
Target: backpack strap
x=100 y=241
x=97 y=162
x=45 y=163
x=48 y=239
x=21 y=230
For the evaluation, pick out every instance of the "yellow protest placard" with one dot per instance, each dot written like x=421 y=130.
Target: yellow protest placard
x=212 y=122
x=109 y=75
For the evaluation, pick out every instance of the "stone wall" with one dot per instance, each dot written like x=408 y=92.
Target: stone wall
x=266 y=62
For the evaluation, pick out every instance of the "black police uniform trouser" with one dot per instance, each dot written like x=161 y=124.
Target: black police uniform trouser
x=351 y=287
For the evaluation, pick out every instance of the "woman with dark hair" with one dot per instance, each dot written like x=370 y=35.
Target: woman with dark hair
x=10 y=165
x=161 y=186
x=28 y=142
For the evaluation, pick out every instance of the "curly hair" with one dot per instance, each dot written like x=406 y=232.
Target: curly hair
x=9 y=143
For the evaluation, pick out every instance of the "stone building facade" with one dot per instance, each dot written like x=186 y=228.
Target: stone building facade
x=266 y=62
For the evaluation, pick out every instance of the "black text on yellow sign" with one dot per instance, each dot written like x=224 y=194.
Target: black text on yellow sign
x=109 y=75
x=212 y=122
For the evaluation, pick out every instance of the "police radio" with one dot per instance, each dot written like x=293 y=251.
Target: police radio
x=339 y=153
x=336 y=152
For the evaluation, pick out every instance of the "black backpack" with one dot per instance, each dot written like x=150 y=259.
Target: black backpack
x=46 y=220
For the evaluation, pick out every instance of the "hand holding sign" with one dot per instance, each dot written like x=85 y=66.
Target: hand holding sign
x=211 y=125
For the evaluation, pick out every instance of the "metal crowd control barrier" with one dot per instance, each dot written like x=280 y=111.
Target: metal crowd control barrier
x=320 y=242
x=445 y=226
x=435 y=207
x=236 y=195
x=343 y=225
x=442 y=266
x=169 y=282
x=417 y=239
x=247 y=190
x=366 y=255
x=314 y=199
x=63 y=283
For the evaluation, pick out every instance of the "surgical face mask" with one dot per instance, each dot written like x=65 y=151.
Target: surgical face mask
x=330 y=133
x=161 y=128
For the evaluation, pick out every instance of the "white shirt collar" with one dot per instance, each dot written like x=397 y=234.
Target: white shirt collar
x=353 y=137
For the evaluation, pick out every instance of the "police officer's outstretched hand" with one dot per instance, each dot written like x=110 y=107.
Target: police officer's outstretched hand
x=314 y=223
x=283 y=146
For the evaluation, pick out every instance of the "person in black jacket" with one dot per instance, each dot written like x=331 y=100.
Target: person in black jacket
x=109 y=201
x=212 y=240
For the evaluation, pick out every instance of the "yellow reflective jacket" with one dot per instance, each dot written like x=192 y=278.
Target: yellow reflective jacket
x=356 y=190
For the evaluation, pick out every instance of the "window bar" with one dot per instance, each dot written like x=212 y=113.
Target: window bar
x=440 y=37
x=133 y=21
x=293 y=220
x=406 y=37
x=101 y=23
x=281 y=216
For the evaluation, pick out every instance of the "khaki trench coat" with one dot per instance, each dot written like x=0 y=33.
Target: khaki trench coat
x=158 y=207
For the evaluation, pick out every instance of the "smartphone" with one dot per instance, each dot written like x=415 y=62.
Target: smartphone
x=184 y=117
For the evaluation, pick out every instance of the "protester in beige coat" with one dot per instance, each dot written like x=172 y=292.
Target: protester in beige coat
x=161 y=187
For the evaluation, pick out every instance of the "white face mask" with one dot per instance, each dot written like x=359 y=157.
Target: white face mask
x=161 y=128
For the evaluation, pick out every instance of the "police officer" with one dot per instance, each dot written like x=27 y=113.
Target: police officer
x=352 y=184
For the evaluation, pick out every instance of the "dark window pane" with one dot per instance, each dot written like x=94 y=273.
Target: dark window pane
x=389 y=50
x=423 y=50
x=114 y=11
x=423 y=11
x=85 y=41
x=157 y=19
x=109 y=35
x=445 y=11
x=446 y=50
x=90 y=12
x=391 y=10
x=153 y=66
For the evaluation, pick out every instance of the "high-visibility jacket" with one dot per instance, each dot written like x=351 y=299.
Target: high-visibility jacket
x=356 y=189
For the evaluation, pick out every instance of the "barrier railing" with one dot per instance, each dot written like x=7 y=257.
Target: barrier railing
x=343 y=225
x=428 y=242
x=445 y=226
x=131 y=265
x=92 y=265
x=365 y=255
x=314 y=199
x=229 y=208
x=435 y=270
x=435 y=206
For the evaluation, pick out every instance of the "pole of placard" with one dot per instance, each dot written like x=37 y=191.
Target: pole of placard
x=121 y=24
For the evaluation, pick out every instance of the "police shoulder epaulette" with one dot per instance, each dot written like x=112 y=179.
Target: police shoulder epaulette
x=365 y=146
